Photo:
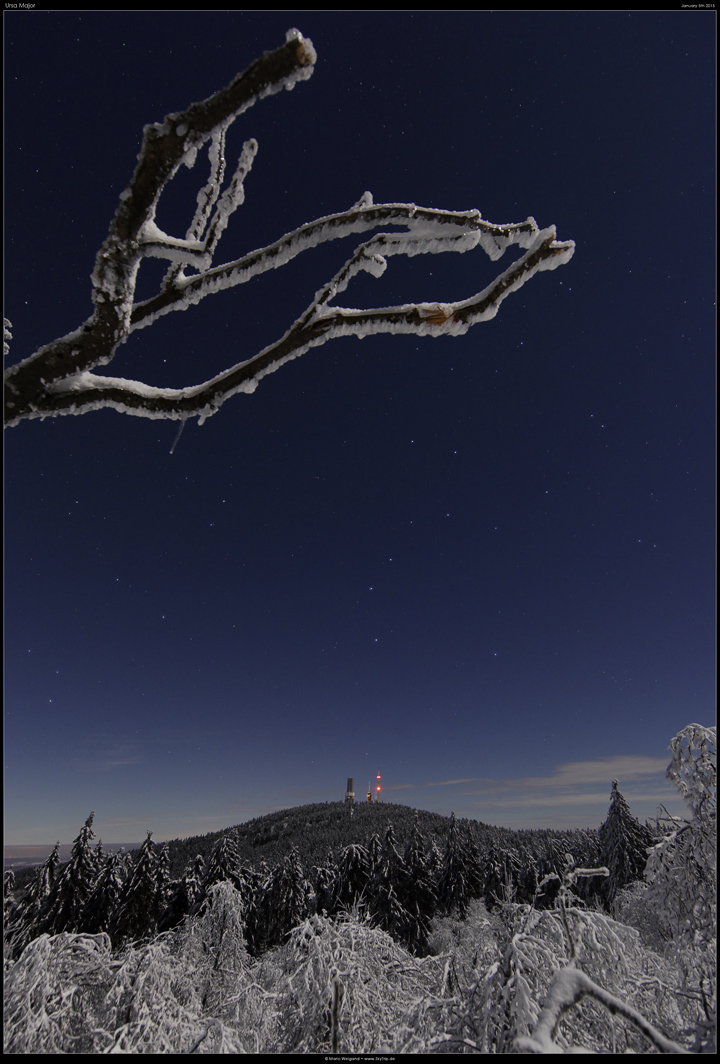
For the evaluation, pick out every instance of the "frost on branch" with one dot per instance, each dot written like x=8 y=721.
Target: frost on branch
x=59 y=378
x=682 y=868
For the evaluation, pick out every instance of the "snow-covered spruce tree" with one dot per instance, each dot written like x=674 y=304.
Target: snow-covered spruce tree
x=182 y=895
x=24 y=919
x=459 y=878
x=59 y=378
x=104 y=896
x=417 y=891
x=162 y=878
x=624 y=845
x=138 y=909
x=323 y=878
x=8 y=906
x=374 y=851
x=385 y=907
x=352 y=879
x=73 y=887
x=279 y=905
x=223 y=866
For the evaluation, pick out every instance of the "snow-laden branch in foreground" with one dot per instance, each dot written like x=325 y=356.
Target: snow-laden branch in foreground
x=59 y=378
x=568 y=987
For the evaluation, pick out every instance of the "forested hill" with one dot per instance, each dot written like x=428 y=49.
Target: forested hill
x=325 y=829
x=316 y=831
x=376 y=928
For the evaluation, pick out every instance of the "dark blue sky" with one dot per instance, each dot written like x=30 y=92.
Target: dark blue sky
x=484 y=565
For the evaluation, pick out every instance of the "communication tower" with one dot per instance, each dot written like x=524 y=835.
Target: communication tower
x=350 y=793
x=378 y=788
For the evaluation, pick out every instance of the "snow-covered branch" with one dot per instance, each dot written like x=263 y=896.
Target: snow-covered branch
x=59 y=378
x=569 y=986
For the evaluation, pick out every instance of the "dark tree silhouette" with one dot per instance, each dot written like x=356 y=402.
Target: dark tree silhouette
x=138 y=910
x=279 y=905
x=459 y=878
x=24 y=921
x=105 y=894
x=387 y=882
x=352 y=878
x=624 y=844
x=417 y=891
x=73 y=887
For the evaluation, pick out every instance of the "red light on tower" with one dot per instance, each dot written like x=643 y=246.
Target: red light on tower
x=378 y=788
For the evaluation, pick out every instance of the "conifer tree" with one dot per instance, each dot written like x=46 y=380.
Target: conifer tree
x=280 y=905
x=353 y=877
x=324 y=879
x=162 y=878
x=374 y=849
x=624 y=844
x=137 y=912
x=25 y=919
x=224 y=864
x=417 y=891
x=385 y=905
x=104 y=896
x=497 y=867
x=459 y=877
x=223 y=867
x=72 y=888
x=46 y=875
x=182 y=895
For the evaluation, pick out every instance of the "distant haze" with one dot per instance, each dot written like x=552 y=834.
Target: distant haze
x=27 y=856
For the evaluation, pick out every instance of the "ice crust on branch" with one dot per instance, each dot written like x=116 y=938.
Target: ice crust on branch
x=59 y=378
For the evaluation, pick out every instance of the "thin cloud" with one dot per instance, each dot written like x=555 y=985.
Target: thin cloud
x=452 y=783
x=623 y=767
x=574 y=793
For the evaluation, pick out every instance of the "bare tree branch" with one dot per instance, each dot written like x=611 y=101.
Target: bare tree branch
x=58 y=378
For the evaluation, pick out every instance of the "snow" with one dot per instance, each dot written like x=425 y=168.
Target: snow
x=155 y=242
x=428 y=231
x=422 y=231
x=568 y=986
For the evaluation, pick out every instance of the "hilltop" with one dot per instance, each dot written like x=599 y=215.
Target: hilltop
x=322 y=830
x=326 y=828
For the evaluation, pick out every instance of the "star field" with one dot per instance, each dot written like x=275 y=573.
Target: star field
x=484 y=564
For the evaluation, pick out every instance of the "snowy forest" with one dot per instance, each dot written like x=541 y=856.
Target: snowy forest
x=434 y=936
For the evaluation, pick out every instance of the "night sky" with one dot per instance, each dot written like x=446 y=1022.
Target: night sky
x=484 y=565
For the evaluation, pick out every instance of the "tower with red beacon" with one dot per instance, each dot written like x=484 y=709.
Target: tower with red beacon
x=378 y=788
